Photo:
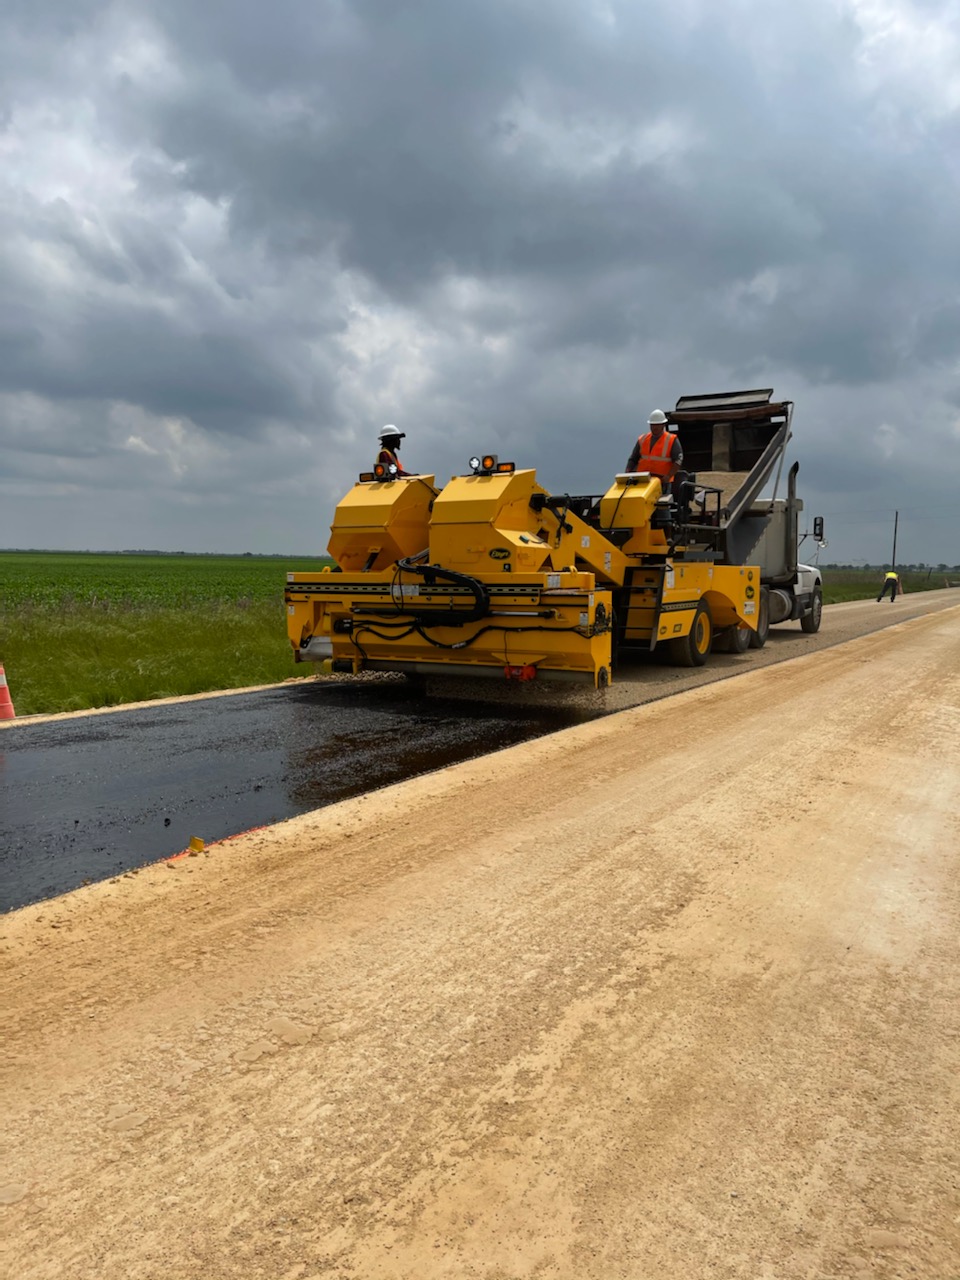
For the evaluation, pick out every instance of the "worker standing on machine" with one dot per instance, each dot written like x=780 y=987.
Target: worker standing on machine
x=891 y=579
x=659 y=451
x=390 y=439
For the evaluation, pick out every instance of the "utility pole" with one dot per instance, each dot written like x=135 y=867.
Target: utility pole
x=896 y=518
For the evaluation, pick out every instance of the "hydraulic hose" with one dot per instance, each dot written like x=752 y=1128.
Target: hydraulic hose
x=430 y=572
x=435 y=617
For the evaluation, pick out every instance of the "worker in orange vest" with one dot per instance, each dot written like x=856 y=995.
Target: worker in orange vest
x=658 y=452
x=390 y=439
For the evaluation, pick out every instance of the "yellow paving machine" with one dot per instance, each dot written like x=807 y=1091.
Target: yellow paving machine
x=492 y=575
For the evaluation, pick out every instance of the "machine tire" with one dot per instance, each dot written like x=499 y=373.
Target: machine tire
x=758 y=638
x=693 y=649
x=810 y=622
x=739 y=640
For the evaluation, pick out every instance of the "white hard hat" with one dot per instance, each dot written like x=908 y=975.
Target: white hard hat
x=657 y=418
x=391 y=433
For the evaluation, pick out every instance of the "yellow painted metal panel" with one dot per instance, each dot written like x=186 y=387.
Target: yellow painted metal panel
x=377 y=524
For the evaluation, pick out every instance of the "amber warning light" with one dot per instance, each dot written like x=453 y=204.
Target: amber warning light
x=488 y=465
x=381 y=471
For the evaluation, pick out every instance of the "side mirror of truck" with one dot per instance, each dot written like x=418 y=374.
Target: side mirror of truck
x=818 y=528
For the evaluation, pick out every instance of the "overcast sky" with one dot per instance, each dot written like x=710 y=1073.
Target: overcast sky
x=238 y=238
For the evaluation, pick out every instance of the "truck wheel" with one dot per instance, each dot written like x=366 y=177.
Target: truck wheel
x=691 y=650
x=758 y=638
x=732 y=640
x=810 y=622
x=739 y=641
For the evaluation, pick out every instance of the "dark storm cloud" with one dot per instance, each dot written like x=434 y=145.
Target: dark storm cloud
x=404 y=138
x=219 y=380
x=533 y=221
x=119 y=311
x=436 y=139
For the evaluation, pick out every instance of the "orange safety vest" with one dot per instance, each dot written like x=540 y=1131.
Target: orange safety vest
x=655 y=455
x=386 y=456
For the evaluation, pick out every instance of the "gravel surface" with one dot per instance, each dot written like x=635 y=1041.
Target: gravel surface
x=674 y=993
x=646 y=679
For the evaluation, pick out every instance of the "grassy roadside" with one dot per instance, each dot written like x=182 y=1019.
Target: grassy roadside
x=95 y=656
x=89 y=630
x=860 y=584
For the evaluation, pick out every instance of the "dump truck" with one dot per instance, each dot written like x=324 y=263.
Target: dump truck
x=734 y=443
x=492 y=575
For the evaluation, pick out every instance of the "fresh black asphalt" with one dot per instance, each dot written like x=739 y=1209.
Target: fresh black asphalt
x=85 y=798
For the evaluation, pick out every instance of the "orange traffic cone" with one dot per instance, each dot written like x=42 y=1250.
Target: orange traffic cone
x=6 y=702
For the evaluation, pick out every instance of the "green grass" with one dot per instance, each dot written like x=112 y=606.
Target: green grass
x=85 y=630
x=861 y=584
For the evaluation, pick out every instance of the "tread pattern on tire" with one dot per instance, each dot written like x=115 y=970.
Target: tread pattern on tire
x=683 y=651
x=811 y=622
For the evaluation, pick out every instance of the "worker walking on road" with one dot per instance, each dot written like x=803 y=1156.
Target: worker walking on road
x=390 y=439
x=659 y=451
x=891 y=580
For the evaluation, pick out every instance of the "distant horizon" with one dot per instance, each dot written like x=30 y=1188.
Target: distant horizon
x=150 y=551
x=934 y=567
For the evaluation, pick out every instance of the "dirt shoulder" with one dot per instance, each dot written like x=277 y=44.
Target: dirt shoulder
x=674 y=993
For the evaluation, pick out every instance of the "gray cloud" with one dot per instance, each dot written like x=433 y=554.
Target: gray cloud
x=235 y=239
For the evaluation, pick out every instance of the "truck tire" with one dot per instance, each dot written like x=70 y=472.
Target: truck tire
x=739 y=641
x=758 y=638
x=732 y=640
x=693 y=649
x=810 y=622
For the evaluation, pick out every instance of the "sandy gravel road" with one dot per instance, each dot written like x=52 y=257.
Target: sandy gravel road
x=642 y=680
x=671 y=994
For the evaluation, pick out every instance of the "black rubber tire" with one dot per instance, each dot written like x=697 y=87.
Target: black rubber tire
x=693 y=649
x=739 y=641
x=810 y=623
x=758 y=638
x=732 y=640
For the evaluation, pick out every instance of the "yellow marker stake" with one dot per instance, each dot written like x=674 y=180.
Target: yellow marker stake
x=196 y=844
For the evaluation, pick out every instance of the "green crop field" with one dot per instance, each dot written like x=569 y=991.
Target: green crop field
x=87 y=630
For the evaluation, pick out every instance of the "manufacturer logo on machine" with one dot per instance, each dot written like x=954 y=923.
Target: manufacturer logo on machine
x=750 y=593
x=499 y=553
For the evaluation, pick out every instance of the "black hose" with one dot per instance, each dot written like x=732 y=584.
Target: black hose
x=454 y=617
x=506 y=631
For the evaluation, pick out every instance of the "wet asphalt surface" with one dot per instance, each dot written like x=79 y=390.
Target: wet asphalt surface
x=84 y=799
